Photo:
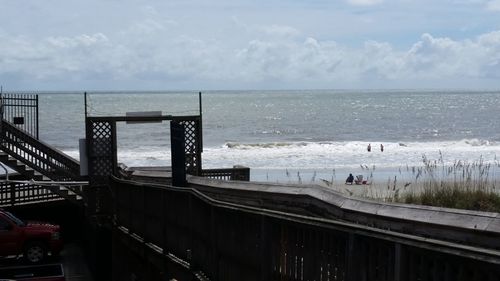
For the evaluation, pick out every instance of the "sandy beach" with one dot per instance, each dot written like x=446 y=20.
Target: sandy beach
x=383 y=183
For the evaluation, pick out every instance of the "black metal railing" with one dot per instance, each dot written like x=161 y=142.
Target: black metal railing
x=21 y=110
x=228 y=241
x=39 y=156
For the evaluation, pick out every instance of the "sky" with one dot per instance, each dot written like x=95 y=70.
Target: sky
x=55 y=45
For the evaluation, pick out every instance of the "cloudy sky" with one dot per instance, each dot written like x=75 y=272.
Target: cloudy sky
x=249 y=44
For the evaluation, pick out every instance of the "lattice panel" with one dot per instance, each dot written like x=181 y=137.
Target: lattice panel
x=101 y=151
x=192 y=146
x=101 y=136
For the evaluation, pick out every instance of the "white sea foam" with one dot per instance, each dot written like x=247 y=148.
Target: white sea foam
x=322 y=155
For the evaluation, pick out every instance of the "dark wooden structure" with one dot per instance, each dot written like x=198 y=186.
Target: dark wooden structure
x=188 y=234
x=212 y=225
x=30 y=158
x=37 y=155
x=102 y=153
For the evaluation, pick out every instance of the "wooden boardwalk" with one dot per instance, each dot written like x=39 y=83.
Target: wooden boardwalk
x=190 y=223
x=228 y=230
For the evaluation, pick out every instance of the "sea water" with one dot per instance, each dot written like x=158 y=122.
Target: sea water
x=295 y=135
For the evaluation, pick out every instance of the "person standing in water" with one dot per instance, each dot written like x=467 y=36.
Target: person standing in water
x=381 y=147
x=369 y=148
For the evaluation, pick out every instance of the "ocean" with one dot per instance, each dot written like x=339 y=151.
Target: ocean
x=286 y=136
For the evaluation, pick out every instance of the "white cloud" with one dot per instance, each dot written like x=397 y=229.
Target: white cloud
x=428 y=59
x=444 y=57
x=283 y=57
x=364 y=2
x=74 y=42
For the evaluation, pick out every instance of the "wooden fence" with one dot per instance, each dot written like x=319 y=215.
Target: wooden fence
x=228 y=241
x=237 y=173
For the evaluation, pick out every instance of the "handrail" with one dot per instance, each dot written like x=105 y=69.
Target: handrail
x=463 y=226
x=38 y=155
x=12 y=194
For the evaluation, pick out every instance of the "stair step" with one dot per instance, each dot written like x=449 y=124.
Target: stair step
x=21 y=168
x=39 y=177
x=29 y=173
x=4 y=156
x=14 y=163
x=18 y=166
x=63 y=193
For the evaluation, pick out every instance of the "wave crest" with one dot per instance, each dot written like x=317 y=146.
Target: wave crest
x=479 y=142
x=237 y=145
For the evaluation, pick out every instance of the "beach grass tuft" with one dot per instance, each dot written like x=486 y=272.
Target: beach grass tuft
x=470 y=185
x=450 y=197
x=463 y=185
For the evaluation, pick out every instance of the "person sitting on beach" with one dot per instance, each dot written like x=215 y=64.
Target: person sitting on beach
x=349 y=179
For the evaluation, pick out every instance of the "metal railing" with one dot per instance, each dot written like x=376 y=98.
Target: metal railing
x=22 y=110
x=229 y=241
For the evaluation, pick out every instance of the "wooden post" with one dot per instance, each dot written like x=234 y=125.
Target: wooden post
x=178 y=154
x=214 y=252
x=354 y=265
x=200 y=133
x=114 y=148
x=85 y=102
x=265 y=249
x=12 y=193
x=164 y=210
x=398 y=263
x=37 y=122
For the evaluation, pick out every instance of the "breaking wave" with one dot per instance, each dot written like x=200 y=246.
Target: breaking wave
x=319 y=155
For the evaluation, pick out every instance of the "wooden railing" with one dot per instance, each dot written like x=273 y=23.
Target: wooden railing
x=234 y=241
x=24 y=193
x=39 y=156
x=237 y=173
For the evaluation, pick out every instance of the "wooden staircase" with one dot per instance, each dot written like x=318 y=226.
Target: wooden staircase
x=21 y=168
x=39 y=163
x=26 y=173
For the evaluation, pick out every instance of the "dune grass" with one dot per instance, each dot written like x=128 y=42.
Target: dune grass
x=462 y=185
x=449 y=197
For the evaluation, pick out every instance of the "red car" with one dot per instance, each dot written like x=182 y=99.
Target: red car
x=32 y=239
